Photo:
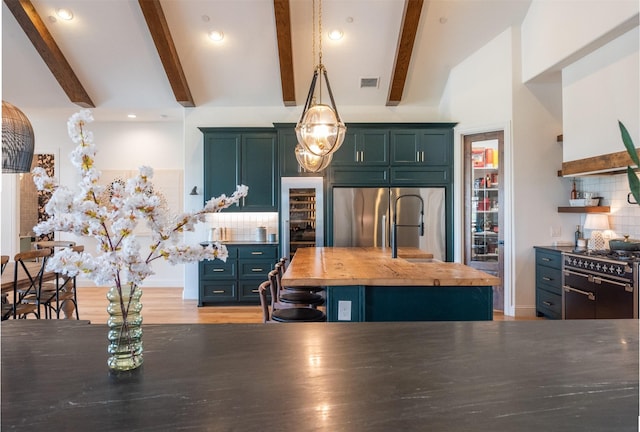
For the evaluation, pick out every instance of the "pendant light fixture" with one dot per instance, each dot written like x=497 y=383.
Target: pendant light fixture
x=320 y=131
x=17 y=140
x=311 y=162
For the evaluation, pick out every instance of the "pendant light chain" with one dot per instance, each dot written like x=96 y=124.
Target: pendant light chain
x=313 y=35
x=320 y=132
x=320 y=33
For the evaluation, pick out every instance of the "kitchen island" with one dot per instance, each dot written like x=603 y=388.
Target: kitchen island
x=366 y=284
x=413 y=376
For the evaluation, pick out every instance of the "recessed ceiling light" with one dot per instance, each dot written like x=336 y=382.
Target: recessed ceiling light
x=335 y=34
x=131 y=116
x=64 y=14
x=216 y=35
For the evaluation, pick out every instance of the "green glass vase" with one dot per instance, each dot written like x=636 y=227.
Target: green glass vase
x=125 y=328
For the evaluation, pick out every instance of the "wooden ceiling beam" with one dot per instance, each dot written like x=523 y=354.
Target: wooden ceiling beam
x=159 y=29
x=285 y=53
x=39 y=35
x=409 y=29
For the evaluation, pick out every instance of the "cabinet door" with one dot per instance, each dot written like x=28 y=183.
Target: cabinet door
x=420 y=147
x=347 y=154
x=259 y=172
x=368 y=147
x=221 y=167
x=404 y=147
x=289 y=167
x=374 y=147
x=436 y=147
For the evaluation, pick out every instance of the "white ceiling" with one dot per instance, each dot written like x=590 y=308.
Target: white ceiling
x=109 y=47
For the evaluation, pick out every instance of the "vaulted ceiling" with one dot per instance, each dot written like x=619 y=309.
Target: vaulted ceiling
x=153 y=57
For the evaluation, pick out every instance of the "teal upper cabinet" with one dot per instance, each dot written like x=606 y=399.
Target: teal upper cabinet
x=246 y=156
x=363 y=147
x=421 y=147
x=287 y=141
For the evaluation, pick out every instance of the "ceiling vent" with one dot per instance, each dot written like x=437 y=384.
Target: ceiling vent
x=369 y=82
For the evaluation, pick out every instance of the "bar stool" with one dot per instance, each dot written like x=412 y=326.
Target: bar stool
x=282 y=268
x=287 y=315
x=287 y=298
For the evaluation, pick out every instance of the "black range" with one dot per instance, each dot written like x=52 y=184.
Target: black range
x=600 y=284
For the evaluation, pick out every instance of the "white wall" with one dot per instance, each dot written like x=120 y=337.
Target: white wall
x=556 y=33
x=485 y=92
x=597 y=91
x=121 y=146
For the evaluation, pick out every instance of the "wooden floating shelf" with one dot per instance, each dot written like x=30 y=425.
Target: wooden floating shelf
x=590 y=209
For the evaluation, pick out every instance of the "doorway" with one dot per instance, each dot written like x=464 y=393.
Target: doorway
x=484 y=204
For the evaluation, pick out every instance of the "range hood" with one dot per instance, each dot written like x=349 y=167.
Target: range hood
x=611 y=163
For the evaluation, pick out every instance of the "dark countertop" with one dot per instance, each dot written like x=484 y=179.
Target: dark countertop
x=439 y=376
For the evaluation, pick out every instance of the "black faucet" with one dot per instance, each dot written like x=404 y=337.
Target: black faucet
x=394 y=233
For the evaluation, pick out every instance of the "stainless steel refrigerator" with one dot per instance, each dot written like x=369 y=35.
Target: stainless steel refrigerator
x=364 y=216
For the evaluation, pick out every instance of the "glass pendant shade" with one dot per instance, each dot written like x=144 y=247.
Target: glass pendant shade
x=311 y=162
x=17 y=140
x=320 y=131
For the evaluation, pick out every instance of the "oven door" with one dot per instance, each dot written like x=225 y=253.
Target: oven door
x=578 y=296
x=615 y=299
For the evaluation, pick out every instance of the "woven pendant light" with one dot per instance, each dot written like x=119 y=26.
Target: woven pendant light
x=17 y=140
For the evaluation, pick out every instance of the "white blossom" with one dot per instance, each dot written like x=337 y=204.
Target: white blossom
x=118 y=259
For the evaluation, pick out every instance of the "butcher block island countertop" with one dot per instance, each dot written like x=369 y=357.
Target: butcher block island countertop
x=366 y=284
x=374 y=267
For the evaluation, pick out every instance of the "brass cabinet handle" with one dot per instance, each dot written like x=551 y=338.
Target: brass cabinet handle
x=256 y=253
x=547 y=278
x=547 y=303
x=218 y=291
x=546 y=259
x=218 y=270
x=257 y=270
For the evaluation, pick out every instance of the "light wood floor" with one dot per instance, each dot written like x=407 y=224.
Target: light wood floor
x=166 y=306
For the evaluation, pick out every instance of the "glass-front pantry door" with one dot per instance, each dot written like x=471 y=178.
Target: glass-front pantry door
x=484 y=245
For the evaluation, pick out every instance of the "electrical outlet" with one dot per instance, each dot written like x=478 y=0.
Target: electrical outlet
x=344 y=310
x=556 y=231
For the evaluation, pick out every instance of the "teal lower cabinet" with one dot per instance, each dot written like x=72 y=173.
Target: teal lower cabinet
x=237 y=279
x=409 y=303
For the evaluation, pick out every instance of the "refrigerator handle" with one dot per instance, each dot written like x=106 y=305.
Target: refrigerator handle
x=383 y=228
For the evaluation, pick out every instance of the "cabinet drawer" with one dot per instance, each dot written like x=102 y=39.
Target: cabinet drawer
x=218 y=269
x=549 y=304
x=408 y=175
x=549 y=279
x=256 y=268
x=549 y=259
x=364 y=176
x=219 y=291
x=248 y=290
x=258 y=252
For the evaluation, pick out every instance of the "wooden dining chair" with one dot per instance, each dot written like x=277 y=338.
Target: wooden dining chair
x=7 y=308
x=66 y=296
x=29 y=272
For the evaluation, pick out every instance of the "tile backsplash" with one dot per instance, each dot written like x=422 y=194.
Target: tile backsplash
x=624 y=218
x=242 y=226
